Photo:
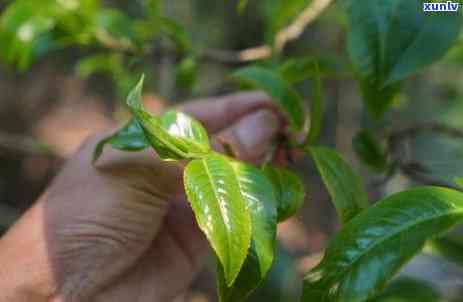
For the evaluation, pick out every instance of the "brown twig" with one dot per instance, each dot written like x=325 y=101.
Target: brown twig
x=285 y=35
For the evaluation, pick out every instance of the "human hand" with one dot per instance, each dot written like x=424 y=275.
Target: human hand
x=123 y=230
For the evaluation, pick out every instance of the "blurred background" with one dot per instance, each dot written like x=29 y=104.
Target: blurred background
x=67 y=65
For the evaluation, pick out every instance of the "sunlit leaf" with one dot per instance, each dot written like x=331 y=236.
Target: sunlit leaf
x=221 y=209
x=278 y=89
x=369 y=250
x=261 y=202
x=129 y=138
x=174 y=135
x=344 y=185
x=369 y=150
x=289 y=190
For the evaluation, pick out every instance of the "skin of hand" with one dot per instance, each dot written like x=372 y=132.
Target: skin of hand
x=122 y=230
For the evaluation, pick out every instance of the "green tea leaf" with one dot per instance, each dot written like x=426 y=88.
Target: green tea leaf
x=130 y=138
x=186 y=73
x=344 y=185
x=289 y=190
x=174 y=135
x=221 y=210
x=374 y=245
x=369 y=150
x=409 y=290
x=296 y=70
x=377 y=99
x=316 y=108
x=391 y=40
x=261 y=202
x=278 y=89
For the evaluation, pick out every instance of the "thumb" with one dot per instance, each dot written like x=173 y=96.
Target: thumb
x=250 y=137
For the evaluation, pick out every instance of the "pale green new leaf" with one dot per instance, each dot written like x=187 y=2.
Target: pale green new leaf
x=260 y=197
x=344 y=185
x=278 y=89
x=221 y=210
x=130 y=138
x=374 y=245
x=174 y=135
x=289 y=190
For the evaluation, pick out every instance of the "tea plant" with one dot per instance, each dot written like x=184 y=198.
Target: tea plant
x=238 y=205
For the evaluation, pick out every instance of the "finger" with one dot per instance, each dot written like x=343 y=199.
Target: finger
x=217 y=113
x=251 y=137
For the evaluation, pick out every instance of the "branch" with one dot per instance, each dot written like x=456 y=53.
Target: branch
x=285 y=35
x=295 y=29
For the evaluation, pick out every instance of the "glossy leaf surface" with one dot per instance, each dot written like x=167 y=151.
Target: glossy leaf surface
x=278 y=89
x=174 y=135
x=344 y=185
x=389 y=40
x=221 y=210
x=129 y=138
x=369 y=150
x=373 y=246
x=261 y=202
x=289 y=190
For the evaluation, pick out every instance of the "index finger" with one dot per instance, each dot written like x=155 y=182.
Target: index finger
x=217 y=113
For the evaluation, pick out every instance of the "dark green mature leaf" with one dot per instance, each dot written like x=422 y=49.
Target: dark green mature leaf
x=129 y=138
x=316 y=108
x=344 y=185
x=279 y=89
x=377 y=99
x=409 y=290
x=213 y=189
x=289 y=190
x=261 y=202
x=174 y=135
x=374 y=245
x=369 y=150
x=389 y=40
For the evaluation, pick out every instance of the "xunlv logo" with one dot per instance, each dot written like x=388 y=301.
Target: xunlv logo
x=448 y=6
